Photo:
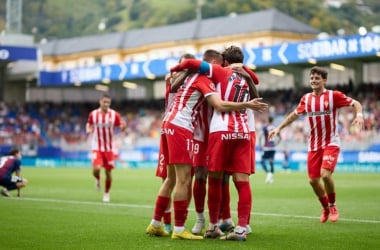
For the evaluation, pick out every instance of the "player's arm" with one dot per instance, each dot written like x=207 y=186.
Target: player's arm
x=192 y=64
x=89 y=128
x=225 y=106
x=212 y=71
x=359 y=119
x=123 y=125
x=288 y=120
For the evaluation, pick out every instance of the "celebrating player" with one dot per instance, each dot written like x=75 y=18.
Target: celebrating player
x=321 y=106
x=229 y=139
x=161 y=170
x=177 y=133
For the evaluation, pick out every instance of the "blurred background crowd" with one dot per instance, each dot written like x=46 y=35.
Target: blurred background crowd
x=63 y=124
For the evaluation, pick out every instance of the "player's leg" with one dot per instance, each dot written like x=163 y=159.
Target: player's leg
x=167 y=218
x=314 y=162
x=241 y=170
x=108 y=184
x=162 y=203
x=21 y=183
x=97 y=162
x=271 y=167
x=226 y=222
x=199 y=194
x=242 y=184
x=214 y=199
x=264 y=159
x=16 y=182
x=181 y=202
x=108 y=161
x=330 y=158
x=5 y=183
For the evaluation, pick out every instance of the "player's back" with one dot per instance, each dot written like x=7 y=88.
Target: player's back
x=8 y=164
x=232 y=88
x=188 y=99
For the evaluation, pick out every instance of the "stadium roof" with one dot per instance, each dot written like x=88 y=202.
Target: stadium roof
x=266 y=20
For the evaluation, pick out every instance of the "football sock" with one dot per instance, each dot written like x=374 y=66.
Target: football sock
x=331 y=198
x=162 y=204
x=167 y=216
x=271 y=167
x=244 y=203
x=214 y=198
x=180 y=212
x=225 y=212
x=199 y=194
x=324 y=201
x=107 y=186
x=200 y=216
x=264 y=166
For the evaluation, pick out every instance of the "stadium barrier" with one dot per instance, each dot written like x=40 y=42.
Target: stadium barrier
x=147 y=157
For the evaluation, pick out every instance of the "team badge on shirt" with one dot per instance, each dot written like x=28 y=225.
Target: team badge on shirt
x=212 y=85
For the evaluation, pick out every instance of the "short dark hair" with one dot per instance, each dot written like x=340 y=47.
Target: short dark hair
x=106 y=95
x=319 y=71
x=212 y=54
x=14 y=151
x=233 y=54
x=186 y=56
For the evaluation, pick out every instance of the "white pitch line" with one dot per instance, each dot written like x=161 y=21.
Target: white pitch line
x=151 y=207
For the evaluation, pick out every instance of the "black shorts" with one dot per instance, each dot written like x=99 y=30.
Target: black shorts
x=10 y=183
x=268 y=155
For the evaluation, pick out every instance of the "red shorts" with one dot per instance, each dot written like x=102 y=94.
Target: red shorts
x=323 y=158
x=161 y=170
x=104 y=159
x=253 y=141
x=200 y=157
x=177 y=144
x=230 y=155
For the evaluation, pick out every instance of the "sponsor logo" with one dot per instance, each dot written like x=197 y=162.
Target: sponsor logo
x=319 y=113
x=235 y=136
x=167 y=131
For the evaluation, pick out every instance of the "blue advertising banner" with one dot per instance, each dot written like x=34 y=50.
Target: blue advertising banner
x=12 y=53
x=282 y=54
x=320 y=50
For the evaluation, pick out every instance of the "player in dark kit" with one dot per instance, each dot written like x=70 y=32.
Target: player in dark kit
x=10 y=168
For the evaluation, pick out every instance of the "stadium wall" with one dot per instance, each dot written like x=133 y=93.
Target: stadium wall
x=147 y=157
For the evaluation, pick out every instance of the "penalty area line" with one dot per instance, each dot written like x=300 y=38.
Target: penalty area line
x=75 y=202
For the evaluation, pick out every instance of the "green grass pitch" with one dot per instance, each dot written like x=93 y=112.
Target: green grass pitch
x=60 y=209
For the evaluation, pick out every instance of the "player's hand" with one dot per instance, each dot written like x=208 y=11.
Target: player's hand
x=257 y=105
x=358 y=122
x=272 y=134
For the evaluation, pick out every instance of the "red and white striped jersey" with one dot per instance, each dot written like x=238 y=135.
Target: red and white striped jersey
x=251 y=120
x=185 y=106
x=103 y=125
x=232 y=87
x=202 y=122
x=321 y=114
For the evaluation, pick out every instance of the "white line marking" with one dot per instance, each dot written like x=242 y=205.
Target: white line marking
x=151 y=207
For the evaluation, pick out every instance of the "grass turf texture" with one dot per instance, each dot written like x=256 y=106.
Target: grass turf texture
x=60 y=209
